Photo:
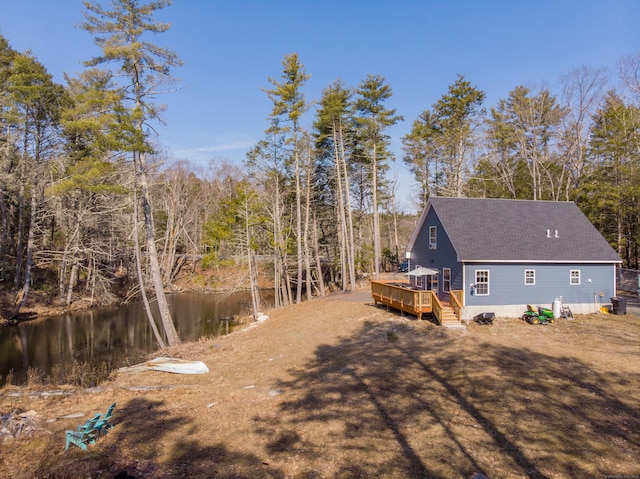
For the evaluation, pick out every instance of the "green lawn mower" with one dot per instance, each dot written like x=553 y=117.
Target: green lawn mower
x=538 y=315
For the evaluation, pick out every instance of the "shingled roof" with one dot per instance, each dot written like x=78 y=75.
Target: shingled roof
x=483 y=229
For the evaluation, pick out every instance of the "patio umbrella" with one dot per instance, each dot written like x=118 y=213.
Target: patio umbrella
x=421 y=271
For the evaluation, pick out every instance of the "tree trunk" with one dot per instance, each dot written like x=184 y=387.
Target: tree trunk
x=93 y=279
x=150 y=244
x=351 y=249
x=21 y=298
x=72 y=280
x=253 y=272
x=316 y=248
x=340 y=210
x=298 y=224
x=170 y=243
x=376 y=219
x=62 y=274
x=141 y=284
x=283 y=295
x=305 y=233
x=276 y=281
x=255 y=289
x=21 y=214
x=394 y=211
x=4 y=226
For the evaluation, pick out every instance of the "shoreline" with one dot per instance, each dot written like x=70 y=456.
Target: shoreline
x=42 y=308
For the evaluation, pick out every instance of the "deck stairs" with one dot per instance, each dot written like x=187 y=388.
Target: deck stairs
x=449 y=319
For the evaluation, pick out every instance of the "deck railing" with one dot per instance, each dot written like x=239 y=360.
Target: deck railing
x=457 y=302
x=402 y=296
x=437 y=308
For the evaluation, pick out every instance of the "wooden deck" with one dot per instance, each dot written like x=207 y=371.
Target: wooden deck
x=402 y=296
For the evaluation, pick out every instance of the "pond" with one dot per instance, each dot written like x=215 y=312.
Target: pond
x=104 y=339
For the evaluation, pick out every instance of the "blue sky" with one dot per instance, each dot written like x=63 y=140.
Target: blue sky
x=230 y=48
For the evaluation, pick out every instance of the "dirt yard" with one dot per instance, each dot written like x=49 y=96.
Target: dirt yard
x=339 y=388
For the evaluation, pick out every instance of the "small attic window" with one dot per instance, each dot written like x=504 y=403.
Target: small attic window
x=433 y=237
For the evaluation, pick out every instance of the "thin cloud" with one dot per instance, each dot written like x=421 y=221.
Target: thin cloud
x=236 y=145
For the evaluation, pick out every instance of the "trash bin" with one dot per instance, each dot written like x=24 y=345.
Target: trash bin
x=619 y=305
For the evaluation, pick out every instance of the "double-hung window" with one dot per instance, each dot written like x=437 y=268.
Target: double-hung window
x=482 y=282
x=433 y=237
x=446 y=279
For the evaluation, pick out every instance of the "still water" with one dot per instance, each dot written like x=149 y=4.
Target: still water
x=109 y=337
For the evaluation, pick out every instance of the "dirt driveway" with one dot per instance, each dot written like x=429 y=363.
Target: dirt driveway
x=339 y=388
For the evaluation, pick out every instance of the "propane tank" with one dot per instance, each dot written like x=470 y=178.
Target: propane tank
x=556 y=307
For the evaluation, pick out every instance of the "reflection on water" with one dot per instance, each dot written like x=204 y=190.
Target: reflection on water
x=110 y=337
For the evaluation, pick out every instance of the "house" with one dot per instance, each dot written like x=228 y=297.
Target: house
x=500 y=255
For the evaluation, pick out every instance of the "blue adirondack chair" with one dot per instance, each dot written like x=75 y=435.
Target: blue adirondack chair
x=85 y=434
x=103 y=424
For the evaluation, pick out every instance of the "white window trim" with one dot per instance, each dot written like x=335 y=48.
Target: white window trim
x=446 y=283
x=571 y=277
x=487 y=283
x=433 y=239
x=525 y=277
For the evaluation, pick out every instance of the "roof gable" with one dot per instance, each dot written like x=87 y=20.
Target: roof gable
x=482 y=229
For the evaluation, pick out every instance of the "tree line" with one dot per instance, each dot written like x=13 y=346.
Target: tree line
x=92 y=204
x=580 y=144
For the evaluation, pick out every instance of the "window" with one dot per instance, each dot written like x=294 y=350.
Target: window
x=432 y=282
x=433 y=237
x=482 y=282
x=574 y=277
x=446 y=279
x=529 y=277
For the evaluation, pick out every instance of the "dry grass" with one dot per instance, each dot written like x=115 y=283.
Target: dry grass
x=337 y=388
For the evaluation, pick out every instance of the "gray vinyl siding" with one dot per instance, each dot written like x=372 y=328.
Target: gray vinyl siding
x=444 y=256
x=507 y=286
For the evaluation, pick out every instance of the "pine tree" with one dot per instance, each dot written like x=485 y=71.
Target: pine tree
x=289 y=104
x=372 y=119
x=35 y=103
x=422 y=155
x=145 y=67
x=333 y=138
x=612 y=188
x=442 y=142
x=456 y=117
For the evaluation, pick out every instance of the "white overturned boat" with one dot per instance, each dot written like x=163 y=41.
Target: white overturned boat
x=177 y=366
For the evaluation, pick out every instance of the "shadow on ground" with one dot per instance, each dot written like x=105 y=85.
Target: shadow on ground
x=389 y=403
x=396 y=401
x=132 y=451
